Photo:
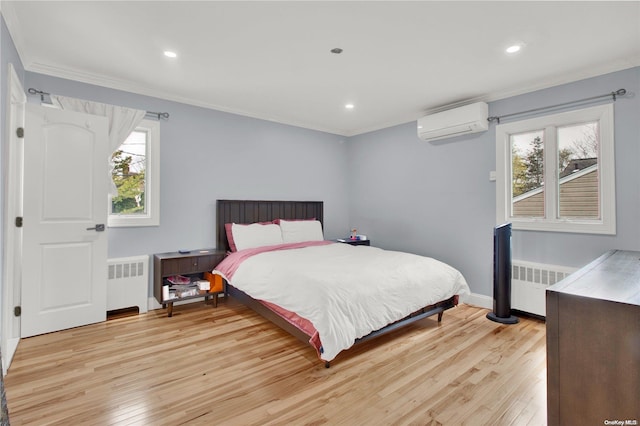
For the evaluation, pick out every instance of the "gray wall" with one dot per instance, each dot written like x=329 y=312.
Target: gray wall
x=436 y=199
x=433 y=199
x=208 y=155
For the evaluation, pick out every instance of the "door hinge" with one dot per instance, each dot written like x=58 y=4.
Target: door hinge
x=17 y=311
x=20 y=132
x=19 y=221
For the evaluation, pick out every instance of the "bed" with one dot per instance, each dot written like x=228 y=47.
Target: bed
x=330 y=295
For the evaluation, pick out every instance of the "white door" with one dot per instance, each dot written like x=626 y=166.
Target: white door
x=65 y=211
x=16 y=104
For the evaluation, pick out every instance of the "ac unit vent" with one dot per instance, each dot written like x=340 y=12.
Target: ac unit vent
x=454 y=122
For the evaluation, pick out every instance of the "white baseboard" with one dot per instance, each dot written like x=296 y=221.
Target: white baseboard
x=479 y=300
x=153 y=304
x=12 y=346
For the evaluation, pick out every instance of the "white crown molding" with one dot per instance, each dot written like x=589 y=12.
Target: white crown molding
x=504 y=94
x=104 y=81
x=117 y=84
x=15 y=31
x=543 y=84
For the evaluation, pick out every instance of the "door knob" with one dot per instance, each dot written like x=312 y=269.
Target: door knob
x=97 y=228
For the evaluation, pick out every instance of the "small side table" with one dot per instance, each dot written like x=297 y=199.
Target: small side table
x=355 y=242
x=196 y=264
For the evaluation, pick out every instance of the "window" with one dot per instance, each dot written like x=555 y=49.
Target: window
x=136 y=166
x=556 y=173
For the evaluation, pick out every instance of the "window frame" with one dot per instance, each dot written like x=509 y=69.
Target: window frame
x=152 y=183
x=603 y=114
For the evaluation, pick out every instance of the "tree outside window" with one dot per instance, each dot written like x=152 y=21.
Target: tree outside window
x=557 y=172
x=136 y=174
x=577 y=150
x=129 y=168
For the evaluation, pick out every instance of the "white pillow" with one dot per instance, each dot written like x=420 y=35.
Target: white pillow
x=295 y=231
x=255 y=235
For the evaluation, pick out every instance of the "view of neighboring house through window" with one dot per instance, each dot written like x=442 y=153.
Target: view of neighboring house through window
x=578 y=152
x=135 y=174
x=577 y=179
x=556 y=173
x=527 y=174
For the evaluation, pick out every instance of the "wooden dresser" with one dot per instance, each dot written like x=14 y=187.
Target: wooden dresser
x=593 y=343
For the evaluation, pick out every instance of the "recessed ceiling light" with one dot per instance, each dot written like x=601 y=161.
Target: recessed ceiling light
x=170 y=54
x=513 y=49
x=349 y=106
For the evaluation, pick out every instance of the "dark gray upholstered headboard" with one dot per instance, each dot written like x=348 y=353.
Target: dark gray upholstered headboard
x=250 y=211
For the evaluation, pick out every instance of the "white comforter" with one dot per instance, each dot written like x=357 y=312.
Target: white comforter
x=347 y=291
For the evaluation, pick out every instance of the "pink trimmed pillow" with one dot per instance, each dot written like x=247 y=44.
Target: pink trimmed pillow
x=228 y=227
x=227 y=230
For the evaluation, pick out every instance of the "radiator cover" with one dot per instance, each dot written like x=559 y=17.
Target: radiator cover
x=128 y=283
x=529 y=282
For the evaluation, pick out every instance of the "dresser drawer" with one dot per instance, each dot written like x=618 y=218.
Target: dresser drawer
x=171 y=267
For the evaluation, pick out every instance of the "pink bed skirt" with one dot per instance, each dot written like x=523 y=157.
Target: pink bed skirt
x=305 y=325
x=298 y=322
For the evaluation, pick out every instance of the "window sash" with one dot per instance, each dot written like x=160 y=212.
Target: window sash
x=551 y=221
x=141 y=139
x=151 y=214
x=539 y=191
x=580 y=179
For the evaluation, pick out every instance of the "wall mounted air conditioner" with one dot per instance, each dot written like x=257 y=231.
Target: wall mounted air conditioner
x=454 y=122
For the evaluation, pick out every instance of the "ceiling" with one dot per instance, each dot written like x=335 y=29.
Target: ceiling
x=273 y=60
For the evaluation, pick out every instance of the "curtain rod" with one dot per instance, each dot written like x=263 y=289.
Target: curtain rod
x=614 y=95
x=159 y=115
x=42 y=94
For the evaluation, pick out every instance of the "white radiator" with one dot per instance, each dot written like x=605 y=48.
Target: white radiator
x=529 y=282
x=128 y=283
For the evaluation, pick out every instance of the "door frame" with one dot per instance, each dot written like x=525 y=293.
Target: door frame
x=12 y=245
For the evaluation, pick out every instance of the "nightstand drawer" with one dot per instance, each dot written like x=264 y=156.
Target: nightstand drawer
x=209 y=262
x=191 y=265
x=171 y=267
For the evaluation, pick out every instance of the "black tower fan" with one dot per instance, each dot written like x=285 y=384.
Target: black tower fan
x=502 y=276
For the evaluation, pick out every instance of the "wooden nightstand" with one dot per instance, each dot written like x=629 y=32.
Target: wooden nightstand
x=193 y=265
x=355 y=242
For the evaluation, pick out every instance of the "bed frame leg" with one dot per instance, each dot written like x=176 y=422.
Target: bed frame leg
x=440 y=317
x=327 y=364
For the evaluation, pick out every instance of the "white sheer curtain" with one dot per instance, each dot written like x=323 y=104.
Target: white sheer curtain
x=122 y=121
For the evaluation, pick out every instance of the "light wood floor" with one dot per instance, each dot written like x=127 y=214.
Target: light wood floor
x=227 y=365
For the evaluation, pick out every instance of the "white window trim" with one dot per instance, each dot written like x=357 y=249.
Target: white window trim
x=606 y=164
x=152 y=182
